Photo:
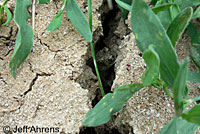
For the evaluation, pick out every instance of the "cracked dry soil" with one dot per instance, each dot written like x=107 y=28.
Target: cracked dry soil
x=57 y=85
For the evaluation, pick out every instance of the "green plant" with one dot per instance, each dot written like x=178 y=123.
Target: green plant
x=9 y=15
x=156 y=35
x=157 y=44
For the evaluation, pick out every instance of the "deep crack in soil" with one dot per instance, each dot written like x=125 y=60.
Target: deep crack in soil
x=106 y=56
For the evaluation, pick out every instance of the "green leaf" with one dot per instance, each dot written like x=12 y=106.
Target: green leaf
x=78 y=19
x=43 y=1
x=179 y=126
x=125 y=7
x=9 y=15
x=193 y=77
x=193 y=115
x=164 y=16
x=179 y=87
x=196 y=13
x=24 y=39
x=153 y=64
x=109 y=104
x=187 y=3
x=193 y=33
x=143 y=19
x=195 y=54
x=56 y=21
x=178 y=25
x=162 y=7
x=174 y=11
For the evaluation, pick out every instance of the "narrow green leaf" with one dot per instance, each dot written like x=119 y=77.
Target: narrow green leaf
x=179 y=126
x=193 y=77
x=24 y=39
x=43 y=1
x=153 y=64
x=179 y=87
x=164 y=16
x=125 y=7
x=162 y=7
x=178 y=25
x=109 y=104
x=174 y=11
x=78 y=19
x=196 y=13
x=193 y=33
x=143 y=19
x=195 y=54
x=193 y=115
x=9 y=15
x=56 y=21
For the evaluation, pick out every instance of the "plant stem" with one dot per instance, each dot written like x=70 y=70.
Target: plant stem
x=90 y=13
x=96 y=69
x=92 y=48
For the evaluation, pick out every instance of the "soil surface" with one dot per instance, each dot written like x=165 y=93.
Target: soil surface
x=57 y=84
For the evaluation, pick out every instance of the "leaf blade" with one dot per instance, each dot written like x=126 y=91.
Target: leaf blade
x=143 y=19
x=193 y=77
x=110 y=104
x=179 y=126
x=152 y=61
x=9 y=15
x=78 y=19
x=24 y=39
x=55 y=22
x=192 y=115
x=179 y=87
x=43 y=1
x=178 y=25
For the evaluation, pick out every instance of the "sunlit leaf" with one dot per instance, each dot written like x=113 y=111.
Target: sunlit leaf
x=193 y=115
x=149 y=30
x=125 y=7
x=179 y=126
x=162 y=7
x=24 y=39
x=109 y=104
x=178 y=25
x=78 y=19
x=56 y=21
x=9 y=15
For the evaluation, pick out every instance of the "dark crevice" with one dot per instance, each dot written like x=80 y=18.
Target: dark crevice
x=1 y=78
x=8 y=52
x=33 y=82
x=106 y=57
x=105 y=66
x=49 y=47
